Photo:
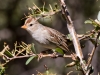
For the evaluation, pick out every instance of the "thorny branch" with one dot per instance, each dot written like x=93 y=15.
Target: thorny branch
x=25 y=47
x=41 y=13
x=47 y=55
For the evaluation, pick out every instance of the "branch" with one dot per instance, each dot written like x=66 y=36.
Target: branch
x=87 y=35
x=72 y=32
x=92 y=54
x=47 y=55
x=42 y=13
x=93 y=51
x=43 y=55
x=18 y=53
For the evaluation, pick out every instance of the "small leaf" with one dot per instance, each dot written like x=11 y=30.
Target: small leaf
x=70 y=64
x=2 y=70
x=69 y=36
x=59 y=50
x=97 y=28
x=33 y=48
x=88 y=22
x=95 y=23
x=47 y=72
x=8 y=53
x=30 y=59
x=98 y=17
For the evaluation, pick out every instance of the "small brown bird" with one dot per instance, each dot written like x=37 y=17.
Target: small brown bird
x=45 y=36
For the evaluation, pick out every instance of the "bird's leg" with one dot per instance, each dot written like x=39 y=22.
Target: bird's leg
x=54 y=53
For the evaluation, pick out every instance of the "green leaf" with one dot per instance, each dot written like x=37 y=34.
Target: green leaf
x=2 y=70
x=95 y=23
x=8 y=53
x=30 y=59
x=47 y=72
x=97 y=28
x=69 y=36
x=88 y=22
x=59 y=50
x=33 y=48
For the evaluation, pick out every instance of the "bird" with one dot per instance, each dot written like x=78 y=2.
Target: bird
x=45 y=36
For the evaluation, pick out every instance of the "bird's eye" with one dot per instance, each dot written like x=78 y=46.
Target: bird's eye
x=31 y=24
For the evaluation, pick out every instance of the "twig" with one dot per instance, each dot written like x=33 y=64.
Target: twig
x=47 y=55
x=87 y=35
x=91 y=56
x=45 y=66
x=69 y=73
x=92 y=53
x=44 y=15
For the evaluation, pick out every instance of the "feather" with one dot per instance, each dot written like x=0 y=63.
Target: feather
x=57 y=38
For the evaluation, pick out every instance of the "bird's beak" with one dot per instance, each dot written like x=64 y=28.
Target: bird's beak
x=24 y=27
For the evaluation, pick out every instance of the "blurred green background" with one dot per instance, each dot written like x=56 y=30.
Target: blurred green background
x=11 y=13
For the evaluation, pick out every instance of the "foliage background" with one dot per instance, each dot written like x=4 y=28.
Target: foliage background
x=11 y=13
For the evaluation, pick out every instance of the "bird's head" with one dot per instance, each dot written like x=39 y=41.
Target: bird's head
x=30 y=24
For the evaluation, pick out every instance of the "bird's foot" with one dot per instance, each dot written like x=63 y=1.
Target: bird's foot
x=40 y=56
x=54 y=55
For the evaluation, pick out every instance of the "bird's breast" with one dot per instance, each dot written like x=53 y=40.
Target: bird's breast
x=41 y=36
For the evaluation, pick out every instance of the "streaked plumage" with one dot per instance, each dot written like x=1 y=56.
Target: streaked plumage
x=45 y=36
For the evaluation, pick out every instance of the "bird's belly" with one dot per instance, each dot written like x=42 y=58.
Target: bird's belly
x=42 y=36
x=46 y=44
x=49 y=46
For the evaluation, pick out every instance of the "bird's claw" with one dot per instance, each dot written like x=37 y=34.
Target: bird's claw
x=54 y=55
x=40 y=56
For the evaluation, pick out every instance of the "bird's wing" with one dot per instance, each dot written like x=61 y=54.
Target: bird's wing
x=57 y=38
